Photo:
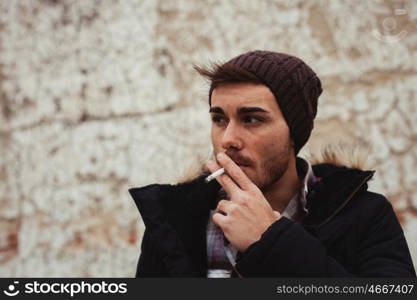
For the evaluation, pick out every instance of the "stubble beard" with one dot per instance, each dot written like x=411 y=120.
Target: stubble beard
x=274 y=169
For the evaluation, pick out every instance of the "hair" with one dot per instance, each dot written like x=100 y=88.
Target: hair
x=218 y=74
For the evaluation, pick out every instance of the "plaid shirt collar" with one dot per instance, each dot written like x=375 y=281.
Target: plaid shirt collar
x=297 y=207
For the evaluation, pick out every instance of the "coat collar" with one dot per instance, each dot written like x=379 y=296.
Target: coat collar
x=176 y=216
x=201 y=196
x=335 y=187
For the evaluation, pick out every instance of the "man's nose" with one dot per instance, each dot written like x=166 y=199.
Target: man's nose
x=232 y=137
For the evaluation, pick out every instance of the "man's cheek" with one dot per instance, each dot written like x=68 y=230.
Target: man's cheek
x=216 y=142
x=253 y=175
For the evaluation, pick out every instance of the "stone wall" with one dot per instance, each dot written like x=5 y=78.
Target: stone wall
x=100 y=96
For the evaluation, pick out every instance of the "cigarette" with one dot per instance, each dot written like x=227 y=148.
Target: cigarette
x=214 y=175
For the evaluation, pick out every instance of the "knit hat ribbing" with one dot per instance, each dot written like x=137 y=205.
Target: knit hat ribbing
x=294 y=84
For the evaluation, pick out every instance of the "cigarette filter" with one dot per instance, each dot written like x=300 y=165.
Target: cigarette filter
x=214 y=175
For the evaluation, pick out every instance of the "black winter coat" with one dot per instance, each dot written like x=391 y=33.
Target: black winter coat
x=348 y=232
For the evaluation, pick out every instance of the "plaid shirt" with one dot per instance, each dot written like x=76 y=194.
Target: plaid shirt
x=221 y=255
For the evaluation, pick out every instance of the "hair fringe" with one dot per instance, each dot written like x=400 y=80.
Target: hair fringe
x=217 y=73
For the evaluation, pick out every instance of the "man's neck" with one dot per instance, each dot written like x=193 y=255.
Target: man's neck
x=282 y=191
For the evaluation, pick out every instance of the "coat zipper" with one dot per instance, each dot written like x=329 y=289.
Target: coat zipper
x=232 y=260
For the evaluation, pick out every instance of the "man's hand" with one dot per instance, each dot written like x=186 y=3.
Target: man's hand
x=248 y=214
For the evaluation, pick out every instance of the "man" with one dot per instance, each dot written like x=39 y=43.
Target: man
x=270 y=214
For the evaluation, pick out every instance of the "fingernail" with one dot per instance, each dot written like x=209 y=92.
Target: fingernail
x=220 y=155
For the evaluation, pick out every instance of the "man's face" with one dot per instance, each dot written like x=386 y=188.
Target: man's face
x=247 y=125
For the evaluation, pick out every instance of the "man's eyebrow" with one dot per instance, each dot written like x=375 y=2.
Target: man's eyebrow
x=246 y=110
x=216 y=109
x=240 y=111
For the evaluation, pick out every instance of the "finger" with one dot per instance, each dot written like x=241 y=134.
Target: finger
x=231 y=188
x=224 y=180
x=212 y=166
x=219 y=219
x=224 y=206
x=277 y=214
x=235 y=172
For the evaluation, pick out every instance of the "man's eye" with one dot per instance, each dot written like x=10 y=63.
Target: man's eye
x=250 y=119
x=217 y=119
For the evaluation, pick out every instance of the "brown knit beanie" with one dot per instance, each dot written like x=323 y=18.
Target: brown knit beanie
x=294 y=84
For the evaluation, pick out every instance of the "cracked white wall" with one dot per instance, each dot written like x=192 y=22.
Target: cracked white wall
x=100 y=96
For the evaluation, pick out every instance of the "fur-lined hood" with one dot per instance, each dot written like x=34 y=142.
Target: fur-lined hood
x=342 y=155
